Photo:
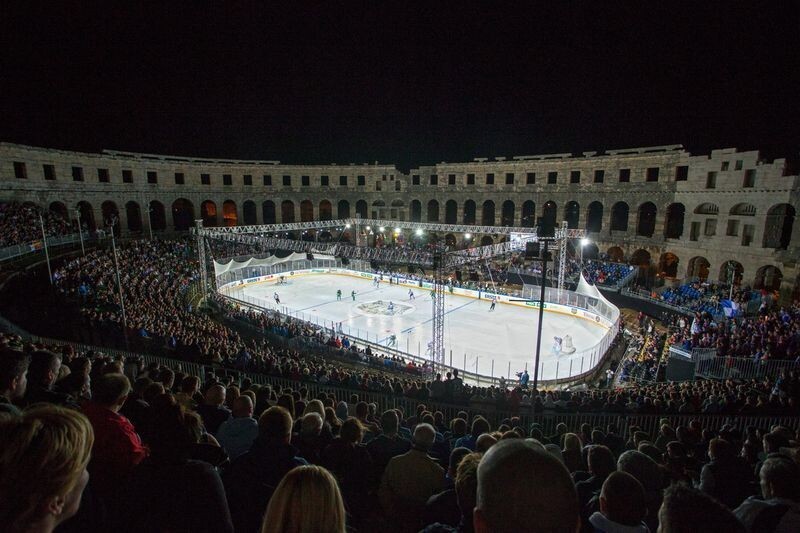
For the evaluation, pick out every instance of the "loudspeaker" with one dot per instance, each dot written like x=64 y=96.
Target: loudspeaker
x=310 y=256
x=531 y=249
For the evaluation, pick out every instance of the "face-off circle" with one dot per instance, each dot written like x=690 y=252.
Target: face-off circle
x=382 y=308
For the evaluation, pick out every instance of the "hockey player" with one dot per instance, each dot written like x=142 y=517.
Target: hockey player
x=339 y=294
x=494 y=303
x=391 y=308
x=392 y=341
x=410 y=294
x=353 y=295
x=277 y=298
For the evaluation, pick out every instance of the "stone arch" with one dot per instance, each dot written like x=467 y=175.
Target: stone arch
x=698 y=268
x=110 y=215
x=433 y=211
x=743 y=210
x=768 y=277
x=673 y=227
x=325 y=210
x=548 y=219
x=646 y=224
x=343 y=209
x=287 y=211
x=249 y=213
x=620 y=212
x=450 y=212
x=470 y=210
x=706 y=208
x=378 y=203
x=731 y=268
x=208 y=212
x=668 y=265
x=616 y=254
x=158 y=215
x=361 y=208
x=416 y=211
x=182 y=214
x=306 y=211
x=594 y=217
x=507 y=213
x=87 y=215
x=486 y=240
x=778 y=226
x=230 y=217
x=640 y=258
x=134 y=215
x=590 y=251
x=487 y=213
x=268 y=212
x=572 y=214
x=528 y=214
x=60 y=209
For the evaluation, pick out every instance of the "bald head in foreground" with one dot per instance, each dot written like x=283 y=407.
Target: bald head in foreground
x=523 y=488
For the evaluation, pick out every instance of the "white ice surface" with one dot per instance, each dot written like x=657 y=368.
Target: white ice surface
x=506 y=335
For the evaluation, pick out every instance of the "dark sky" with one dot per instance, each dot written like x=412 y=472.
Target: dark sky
x=406 y=84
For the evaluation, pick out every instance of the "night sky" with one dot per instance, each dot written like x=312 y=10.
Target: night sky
x=406 y=84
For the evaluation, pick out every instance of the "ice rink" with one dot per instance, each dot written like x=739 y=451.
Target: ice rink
x=491 y=342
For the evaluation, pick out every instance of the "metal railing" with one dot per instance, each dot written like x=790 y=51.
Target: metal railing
x=19 y=250
x=715 y=367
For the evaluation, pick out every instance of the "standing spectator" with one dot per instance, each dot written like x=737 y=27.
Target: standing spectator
x=307 y=500
x=601 y=464
x=237 y=434
x=253 y=476
x=479 y=426
x=515 y=471
x=13 y=380
x=443 y=507
x=43 y=459
x=117 y=446
x=213 y=410
x=409 y=480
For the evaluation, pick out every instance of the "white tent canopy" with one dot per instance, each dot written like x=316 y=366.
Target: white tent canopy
x=222 y=268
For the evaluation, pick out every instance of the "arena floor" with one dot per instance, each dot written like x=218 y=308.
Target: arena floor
x=505 y=336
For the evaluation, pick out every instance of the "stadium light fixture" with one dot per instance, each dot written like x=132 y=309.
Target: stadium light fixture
x=347 y=226
x=381 y=229
x=585 y=241
x=468 y=235
x=419 y=231
x=368 y=228
x=397 y=230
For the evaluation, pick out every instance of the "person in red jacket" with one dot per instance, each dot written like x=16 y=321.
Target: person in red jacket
x=117 y=447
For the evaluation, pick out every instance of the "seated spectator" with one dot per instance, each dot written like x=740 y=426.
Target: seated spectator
x=43 y=458
x=170 y=491
x=484 y=442
x=237 y=434
x=349 y=461
x=516 y=471
x=309 y=441
x=117 y=446
x=213 y=410
x=622 y=506
x=778 y=509
x=410 y=479
x=601 y=464
x=386 y=445
x=253 y=476
x=13 y=380
x=689 y=510
x=479 y=426
x=307 y=500
x=727 y=477
x=650 y=475
x=443 y=507
x=43 y=372
x=466 y=488
x=573 y=458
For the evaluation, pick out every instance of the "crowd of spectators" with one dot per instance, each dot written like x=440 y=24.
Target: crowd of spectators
x=19 y=223
x=707 y=297
x=90 y=443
